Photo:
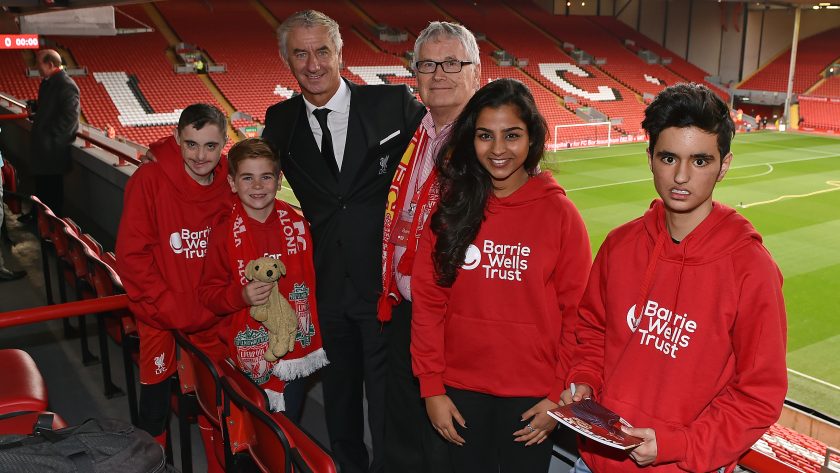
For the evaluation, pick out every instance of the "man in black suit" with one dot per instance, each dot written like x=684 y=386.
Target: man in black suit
x=54 y=129
x=340 y=144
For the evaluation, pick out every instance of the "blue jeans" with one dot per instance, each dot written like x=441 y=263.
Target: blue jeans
x=580 y=467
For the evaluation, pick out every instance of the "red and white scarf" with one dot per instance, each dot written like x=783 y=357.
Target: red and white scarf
x=247 y=338
x=425 y=199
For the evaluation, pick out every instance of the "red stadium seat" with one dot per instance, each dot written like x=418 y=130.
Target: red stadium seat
x=22 y=423
x=820 y=113
x=783 y=450
x=44 y=225
x=264 y=435
x=199 y=376
x=72 y=264
x=812 y=58
x=118 y=325
x=10 y=187
x=23 y=388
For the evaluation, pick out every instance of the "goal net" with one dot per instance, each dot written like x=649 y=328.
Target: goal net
x=582 y=134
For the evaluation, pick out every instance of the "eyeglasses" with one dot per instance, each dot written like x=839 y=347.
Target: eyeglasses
x=450 y=66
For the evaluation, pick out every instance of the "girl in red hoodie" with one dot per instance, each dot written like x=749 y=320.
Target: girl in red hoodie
x=682 y=327
x=496 y=282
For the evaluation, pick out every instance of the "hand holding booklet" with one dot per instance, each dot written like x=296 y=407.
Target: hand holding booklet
x=595 y=421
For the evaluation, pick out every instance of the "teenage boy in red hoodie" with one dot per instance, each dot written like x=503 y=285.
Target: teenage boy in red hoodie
x=167 y=211
x=682 y=326
x=261 y=225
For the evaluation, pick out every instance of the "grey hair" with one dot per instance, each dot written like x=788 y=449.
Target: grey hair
x=439 y=29
x=307 y=19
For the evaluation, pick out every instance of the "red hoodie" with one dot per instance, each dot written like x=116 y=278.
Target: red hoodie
x=162 y=239
x=688 y=340
x=506 y=326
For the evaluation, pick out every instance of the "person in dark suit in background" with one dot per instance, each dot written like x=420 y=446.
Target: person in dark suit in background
x=339 y=145
x=54 y=129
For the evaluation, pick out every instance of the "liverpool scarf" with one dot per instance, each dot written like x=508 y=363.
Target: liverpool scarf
x=425 y=199
x=248 y=339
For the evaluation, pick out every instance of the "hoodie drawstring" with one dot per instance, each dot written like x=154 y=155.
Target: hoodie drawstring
x=679 y=276
x=649 y=272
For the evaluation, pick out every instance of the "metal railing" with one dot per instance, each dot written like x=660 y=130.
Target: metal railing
x=60 y=311
x=84 y=134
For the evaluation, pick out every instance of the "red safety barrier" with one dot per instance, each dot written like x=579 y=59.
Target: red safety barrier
x=60 y=311
x=13 y=116
x=121 y=156
x=761 y=463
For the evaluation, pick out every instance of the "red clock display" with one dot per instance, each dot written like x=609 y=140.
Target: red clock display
x=19 y=41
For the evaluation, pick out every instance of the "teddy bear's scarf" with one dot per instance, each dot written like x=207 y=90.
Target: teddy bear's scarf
x=248 y=338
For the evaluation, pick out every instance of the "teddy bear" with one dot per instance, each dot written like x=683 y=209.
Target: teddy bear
x=277 y=315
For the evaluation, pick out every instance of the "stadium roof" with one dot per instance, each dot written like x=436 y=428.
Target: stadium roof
x=810 y=4
x=23 y=7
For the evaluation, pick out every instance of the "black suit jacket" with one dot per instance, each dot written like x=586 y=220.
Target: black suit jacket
x=55 y=126
x=346 y=214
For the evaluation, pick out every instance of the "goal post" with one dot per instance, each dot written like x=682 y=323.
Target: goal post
x=582 y=134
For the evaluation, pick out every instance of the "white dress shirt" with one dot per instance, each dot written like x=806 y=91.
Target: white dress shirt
x=337 y=120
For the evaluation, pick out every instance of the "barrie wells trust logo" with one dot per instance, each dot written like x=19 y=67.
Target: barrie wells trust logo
x=504 y=262
x=189 y=243
x=661 y=328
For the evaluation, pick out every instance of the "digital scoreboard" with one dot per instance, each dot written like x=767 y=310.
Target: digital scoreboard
x=19 y=41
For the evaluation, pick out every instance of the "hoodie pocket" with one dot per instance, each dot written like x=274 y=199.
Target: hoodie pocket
x=636 y=416
x=490 y=353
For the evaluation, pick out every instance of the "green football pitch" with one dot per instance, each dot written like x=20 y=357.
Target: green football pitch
x=788 y=186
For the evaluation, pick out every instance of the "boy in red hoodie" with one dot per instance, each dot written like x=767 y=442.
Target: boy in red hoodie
x=261 y=225
x=682 y=326
x=167 y=211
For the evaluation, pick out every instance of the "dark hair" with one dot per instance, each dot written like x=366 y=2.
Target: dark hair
x=684 y=105
x=251 y=148
x=465 y=185
x=200 y=114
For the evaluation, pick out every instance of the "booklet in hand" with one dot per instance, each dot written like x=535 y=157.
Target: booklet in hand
x=595 y=421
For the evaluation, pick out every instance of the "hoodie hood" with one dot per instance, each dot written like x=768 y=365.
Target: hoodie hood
x=168 y=155
x=535 y=188
x=723 y=232
x=720 y=234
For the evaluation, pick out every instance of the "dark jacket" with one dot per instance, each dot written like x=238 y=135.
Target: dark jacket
x=55 y=126
x=346 y=214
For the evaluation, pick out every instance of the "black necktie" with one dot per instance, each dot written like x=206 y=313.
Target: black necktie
x=326 y=140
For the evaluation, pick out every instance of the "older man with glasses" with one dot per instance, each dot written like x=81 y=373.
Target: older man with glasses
x=448 y=71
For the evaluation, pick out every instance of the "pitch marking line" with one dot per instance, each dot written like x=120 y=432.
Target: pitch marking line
x=788 y=148
x=574 y=160
x=560 y=160
x=816 y=380
x=768 y=171
x=634 y=181
x=835 y=185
